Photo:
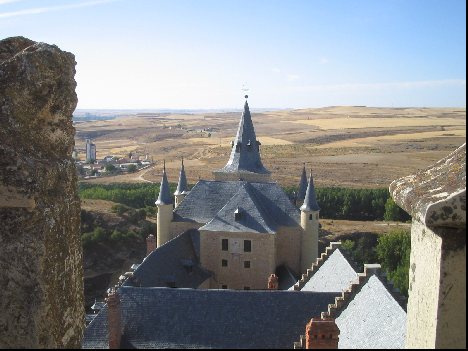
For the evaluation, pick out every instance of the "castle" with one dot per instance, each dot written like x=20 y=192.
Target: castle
x=248 y=226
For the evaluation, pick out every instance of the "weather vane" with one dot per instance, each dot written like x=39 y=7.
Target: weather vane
x=245 y=89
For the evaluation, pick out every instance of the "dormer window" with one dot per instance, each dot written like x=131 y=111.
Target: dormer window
x=237 y=214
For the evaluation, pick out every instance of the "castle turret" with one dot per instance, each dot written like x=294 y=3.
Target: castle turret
x=181 y=190
x=245 y=162
x=165 y=208
x=302 y=187
x=310 y=224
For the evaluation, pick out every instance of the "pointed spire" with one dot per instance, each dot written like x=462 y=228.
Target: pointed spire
x=164 y=197
x=302 y=185
x=310 y=201
x=245 y=153
x=182 y=185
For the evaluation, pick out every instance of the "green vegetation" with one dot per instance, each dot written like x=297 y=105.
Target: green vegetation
x=391 y=250
x=132 y=168
x=133 y=195
x=356 y=204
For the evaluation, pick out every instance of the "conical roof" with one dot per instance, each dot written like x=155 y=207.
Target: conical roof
x=245 y=154
x=182 y=185
x=310 y=201
x=164 y=197
x=302 y=185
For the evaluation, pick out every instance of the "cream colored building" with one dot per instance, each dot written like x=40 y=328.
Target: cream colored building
x=249 y=228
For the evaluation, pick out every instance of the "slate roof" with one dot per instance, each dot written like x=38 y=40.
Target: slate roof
x=182 y=184
x=245 y=154
x=335 y=275
x=372 y=320
x=189 y=318
x=302 y=185
x=208 y=198
x=243 y=213
x=310 y=200
x=286 y=278
x=164 y=197
x=175 y=264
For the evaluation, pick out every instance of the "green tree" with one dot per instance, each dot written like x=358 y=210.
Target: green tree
x=132 y=168
x=110 y=168
x=393 y=250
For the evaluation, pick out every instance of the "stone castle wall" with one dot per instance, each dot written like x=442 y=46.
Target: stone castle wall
x=41 y=277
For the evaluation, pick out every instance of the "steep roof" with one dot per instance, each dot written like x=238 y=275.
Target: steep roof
x=335 y=275
x=373 y=319
x=164 y=197
x=175 y=264
x=245 y=154
x=302 y=185
x=207 y=198
x=242 y=213
x=188 y=318
x=182 y=184
x=310 y=201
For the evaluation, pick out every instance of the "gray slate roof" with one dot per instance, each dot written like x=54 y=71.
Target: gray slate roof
x=164 y=197
x=177 y=262
x=372 y=320
x=302 y=185
x=252 y=217
x=310 y=201
x=188 y=318
x=245 y=154
x=182 y=184
x=207 y=199
x=286 y=278
x=335 y=275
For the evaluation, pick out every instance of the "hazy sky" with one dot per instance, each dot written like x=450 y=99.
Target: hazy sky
x=289 y=53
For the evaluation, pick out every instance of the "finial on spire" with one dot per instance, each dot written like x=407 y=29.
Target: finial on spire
x=164 y=165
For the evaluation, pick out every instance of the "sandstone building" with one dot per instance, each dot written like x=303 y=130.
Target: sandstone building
x=248 y=227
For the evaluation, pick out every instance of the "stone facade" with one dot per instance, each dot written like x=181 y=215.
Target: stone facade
x=41 y=274
x=235 y=273
x=436 y=199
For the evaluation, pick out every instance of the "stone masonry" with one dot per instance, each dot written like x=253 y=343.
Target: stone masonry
x=41 y=278
x=436 y=199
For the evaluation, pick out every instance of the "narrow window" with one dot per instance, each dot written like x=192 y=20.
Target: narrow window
x=247 y=245
x=223 y=286
x=246 y=287
x=224 y=263
x=224 y=244
x=246 y=264
x=310 y=217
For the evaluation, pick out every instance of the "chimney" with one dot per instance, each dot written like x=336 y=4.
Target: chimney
x=273 y=282
x=322 y=334
x=114 y=319
x=150 y=244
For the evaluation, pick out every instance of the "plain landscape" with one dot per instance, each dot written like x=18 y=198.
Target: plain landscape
x=354 y=146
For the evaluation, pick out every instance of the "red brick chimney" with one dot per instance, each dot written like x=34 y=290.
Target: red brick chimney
x=322 y=334
x=114 y=319
x=273 y=282
x=150 y=244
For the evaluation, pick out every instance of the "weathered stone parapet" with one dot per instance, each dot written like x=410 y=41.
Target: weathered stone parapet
x=436 y=196
x=41 y=274
x=436 y=199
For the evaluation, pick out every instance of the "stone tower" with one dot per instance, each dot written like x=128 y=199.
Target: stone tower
x=181 y=190
x=310 y=224
x=165 y=208
x=41 y=275
x=245 y=162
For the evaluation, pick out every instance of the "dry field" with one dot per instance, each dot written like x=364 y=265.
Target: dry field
x=345 y=146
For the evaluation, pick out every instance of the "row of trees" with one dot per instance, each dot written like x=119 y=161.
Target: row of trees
x=335 y=203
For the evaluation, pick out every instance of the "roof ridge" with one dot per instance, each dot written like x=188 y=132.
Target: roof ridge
x=401 y=299
x=317 y=264
x=253 y=193
x=341 y=302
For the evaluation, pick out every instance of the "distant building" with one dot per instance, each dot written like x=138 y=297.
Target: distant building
x=90 y=151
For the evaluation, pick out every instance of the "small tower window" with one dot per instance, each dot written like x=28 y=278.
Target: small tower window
x=247 y=246
x=246 y=287
x=223 y=286
x=224 y=244
x=246 y=264
x=224 y=263
x=311 y=217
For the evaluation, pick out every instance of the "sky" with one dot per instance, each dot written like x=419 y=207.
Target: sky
x=204 y=54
